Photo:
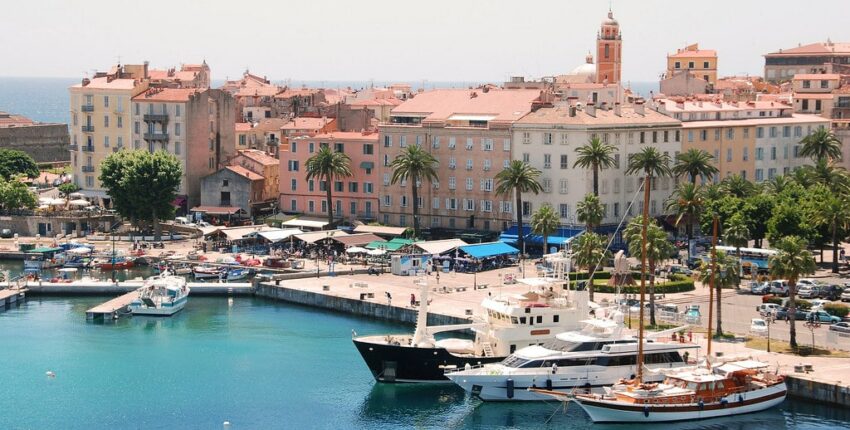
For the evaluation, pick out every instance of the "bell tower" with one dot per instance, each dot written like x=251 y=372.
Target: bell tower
x=609 y=51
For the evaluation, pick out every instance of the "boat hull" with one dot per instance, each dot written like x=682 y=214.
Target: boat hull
x=399 y=363
x=165 y=310
x=601 y=411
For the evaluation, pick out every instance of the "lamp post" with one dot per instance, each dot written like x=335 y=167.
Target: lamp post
x=112 y=231
x=768 y=321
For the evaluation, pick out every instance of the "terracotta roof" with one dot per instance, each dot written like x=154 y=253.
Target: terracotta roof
x=561 y=115
x=843 y=90
x=709 y=106
x=377 y=102
x=245 y=173
x=270 y=124
x=105 y=84
x=813 y=96
x=440 y=105
x=166 y=95
x=243 y=126
x=304 y=92
x=259 y=156
x=11 y=120
x=820 y=48
x=158 y=74
x=787 y=120
x=306 y=123
x=261 y=91
x=702 y=53
x=348 y=135
x=815 y=76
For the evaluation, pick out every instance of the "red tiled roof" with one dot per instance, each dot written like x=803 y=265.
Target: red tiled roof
x=259 y=156
x=702 y=53
x=820 y=48
x=10 y=120
x=437 y=105
x=243 y=126
x=241 y=171
x=166 y=95
x=306 y=123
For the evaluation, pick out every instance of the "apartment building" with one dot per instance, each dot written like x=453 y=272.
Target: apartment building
x=701 y=63
x=355 y=198
x=548 y=139
x=196 y=125
x=469 y=133
x=819 y=57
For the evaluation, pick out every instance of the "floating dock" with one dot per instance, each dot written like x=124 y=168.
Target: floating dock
x=11 y=296
x=112 y=308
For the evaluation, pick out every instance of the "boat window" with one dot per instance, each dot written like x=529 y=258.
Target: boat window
x=692 y=386
x=522 y=320
x=513 y=320
x=531 y=363
x=540 y=319
x=555 y=318
x=513 y=348
x=513 y=360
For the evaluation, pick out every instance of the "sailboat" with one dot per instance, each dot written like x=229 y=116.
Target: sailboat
x=709 y=390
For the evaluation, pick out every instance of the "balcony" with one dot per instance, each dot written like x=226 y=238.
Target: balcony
x=87 y=108
x=272 y=142
x=155 y=117
x=88 y=129
x=73 y=147
x=153 y=137
x=88 y=148
x=88 y=169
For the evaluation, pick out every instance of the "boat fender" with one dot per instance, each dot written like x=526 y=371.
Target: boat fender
x=646 y=411
x=740 y=398
x=724 y=402
x=510 y=388
x=549 y=384
x=701 y=404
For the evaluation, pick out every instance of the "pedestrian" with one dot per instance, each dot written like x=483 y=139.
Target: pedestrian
x=389 y=299
x=412 y=300
x=438 y=278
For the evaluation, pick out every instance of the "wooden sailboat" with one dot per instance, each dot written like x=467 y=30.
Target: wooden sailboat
x=714 y=390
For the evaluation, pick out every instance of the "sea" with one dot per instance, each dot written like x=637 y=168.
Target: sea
x=253 y=363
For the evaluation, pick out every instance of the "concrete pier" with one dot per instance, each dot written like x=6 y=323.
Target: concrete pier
x=112 y=308
x=11 y=296
x=96 y=287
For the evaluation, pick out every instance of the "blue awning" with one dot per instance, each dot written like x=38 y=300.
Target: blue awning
x=492 y=249
x=536 y=239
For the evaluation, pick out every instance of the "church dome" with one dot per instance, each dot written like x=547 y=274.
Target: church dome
x=587 y=70
x=610 y=20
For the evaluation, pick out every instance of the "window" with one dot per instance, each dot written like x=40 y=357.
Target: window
x=311 y=185
x=367 y=188
x=705 y=65
x=293 y=205
x=352 y=187
x=796 y=151
x=324 y=206
x=773 y=132
x=136 y=106
x=526 y=138
x=90 y=181
x=616 y=210
x=547 y=138
x=547 y=185
x=386 y=179
x=177 y=110
x=435 y=222
x=451 y=204
x=690 y=64
x=469 y=205
x=487 y=165
x=452 y=143
x=469 y=164
x=746 y=153
x=506 y=144
x=807 y=84
x=690 y=135
x=452 y=182
x=468 y=184
x=386 y=159
x=353 y=208
x=119 y=122
x=654 y=137
x=643 y=137
x=452 y=163
x=468 y=143
x=177 y=129
x=785 y=152
x=486 y=144
x=759 y=132
x=526 y=158
x=677 y=65
x=526 y=208
x=388 y=142
x=771 y=173
x=824 y=84
x=435 y=203
x=798 y=131
x=505 y=207
x=418 y=140
x=388 y=200
x=746 y=133
x=402 y=141
x=368 y=149
x=339 y=147
x=759 y=175
x=547 y=161
x=564 y=210
x=435 y=142
x=728 y=154
x=106 y=141
x=293 y=185
x=293 y=165
x=617 y=161
x=506 y=163
x=616 y=185
x=773 y=153
x=563 y=186
x=565 y=163
x=805 y=105
x=730 y=133
x=106 y=121
x=703 y=135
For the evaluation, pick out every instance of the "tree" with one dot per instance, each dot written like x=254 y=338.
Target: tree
x=142 y=184
x=589 y=251
x=778 y=184
x=686 y=202
x=327 y=165
x=590 y=211
x=658 y=249
x=14 y=163
x=545 y=222
x=737 y=234
x=695 y=162
x=595 y=155
x=757 y=211
x=825 y=173
x=414 y=165
x=789 y=219
x=518 y=178
x=16 y=195
x=835 y=214
x=727 y=276
x=68 y=188
x=790 y=262
x=822 y=145
x=737 y=186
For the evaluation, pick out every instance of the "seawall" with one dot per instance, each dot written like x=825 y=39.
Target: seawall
x=809 y=388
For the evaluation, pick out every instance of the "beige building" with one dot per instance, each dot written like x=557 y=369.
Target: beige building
x=820 y=57
x=702 y=63
x=469 y=133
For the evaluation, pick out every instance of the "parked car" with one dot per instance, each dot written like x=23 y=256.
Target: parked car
x=818 y=304
x=759 y=288
x=830 y=292
x=767 y=308
x=823 y=316
x=681 y=270
x=779 y=287
x=807 y=291
x=692 y=314
x=842 y=327
x=806 y=281
x=758 y=326
x=181 y=220
x=845 y=295
x=694 y=263
x=799 y=315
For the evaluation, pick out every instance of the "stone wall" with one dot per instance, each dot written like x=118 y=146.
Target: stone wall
x=30 y=225
x=819 y=391
x=45 y=143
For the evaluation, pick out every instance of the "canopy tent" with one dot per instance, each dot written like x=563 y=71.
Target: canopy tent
x=82 y=250
x=491 y=249
x=77 y=196
x=377 y=244
x=356 y=250
x=561 y=236
x=377 y=252
x=79 y=202
x=393 y=245
x=435 y=247
x=356 y=239
x=218 y=210
x=277 y=235
x=240 y=233
x=312 y=223
x=58 y=202
x=380 y=230
x=316 y=236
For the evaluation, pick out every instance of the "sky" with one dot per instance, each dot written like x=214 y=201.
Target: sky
x=396 y=40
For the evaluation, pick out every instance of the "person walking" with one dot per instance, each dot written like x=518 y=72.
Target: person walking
x=412 y=300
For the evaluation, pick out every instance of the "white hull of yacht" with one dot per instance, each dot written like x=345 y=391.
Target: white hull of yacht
x=162 y=310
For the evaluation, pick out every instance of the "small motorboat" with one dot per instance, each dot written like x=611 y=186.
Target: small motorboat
x=207 y=272
x=237 y=274
x=162 y=295
x=116 y=264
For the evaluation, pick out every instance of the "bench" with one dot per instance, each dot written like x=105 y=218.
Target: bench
x=459 y=289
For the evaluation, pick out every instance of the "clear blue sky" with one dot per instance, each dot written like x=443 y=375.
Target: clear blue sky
x=437 y=40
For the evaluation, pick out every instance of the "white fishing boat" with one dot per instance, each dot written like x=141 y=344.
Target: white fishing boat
x=163 y=295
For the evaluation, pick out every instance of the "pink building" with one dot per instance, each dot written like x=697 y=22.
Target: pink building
x=355 y=198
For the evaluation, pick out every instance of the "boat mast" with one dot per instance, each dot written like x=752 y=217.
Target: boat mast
x=711 y=279
x=421 y=332
x=646 y=185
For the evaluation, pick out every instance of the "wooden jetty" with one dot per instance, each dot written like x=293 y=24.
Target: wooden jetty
x=112 y=308
x=10 y=296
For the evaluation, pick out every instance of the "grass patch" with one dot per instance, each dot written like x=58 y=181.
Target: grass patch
x=783 y=347
x=658 y=327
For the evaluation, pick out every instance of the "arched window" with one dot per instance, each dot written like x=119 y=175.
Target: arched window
x=606 y=50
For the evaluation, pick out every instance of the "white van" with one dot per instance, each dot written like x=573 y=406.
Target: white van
x=181 y=220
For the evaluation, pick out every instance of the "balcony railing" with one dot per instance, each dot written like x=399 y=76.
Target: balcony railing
x=87 y=108
x=273 y=142
x=73 y=147
x=88 y=169
x=155 y=117
x=88 y=148
x=88 y=129
x=155 y=136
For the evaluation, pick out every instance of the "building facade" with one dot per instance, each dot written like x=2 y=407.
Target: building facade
x=817 y=57
x=231 y=187
x=609 y=52
x=268 y=167
x=701 y=63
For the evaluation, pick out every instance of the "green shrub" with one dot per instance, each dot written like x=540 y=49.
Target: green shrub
x=836 y=309
x=582 y=276
x=803 y=305
x=774 y=300
x=687 y=284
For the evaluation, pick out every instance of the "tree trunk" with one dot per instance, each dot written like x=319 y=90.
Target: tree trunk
x=740 y=267
x=595 y=179
x=652 y=293
x=414 y=193
x=693 y=179
x=157 y=229
x=520 y=235
x=792 y=312
x=834 y=248
x=719 y=286
x=545 y=245
x=330 y=201
x=690 y=231
x=639 y=363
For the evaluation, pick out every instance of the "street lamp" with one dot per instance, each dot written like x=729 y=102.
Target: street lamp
x=112 y=230
x=768 y=321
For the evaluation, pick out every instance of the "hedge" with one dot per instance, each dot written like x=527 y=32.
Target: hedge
x=678 y=286
x=836 y=309
x=582 y=276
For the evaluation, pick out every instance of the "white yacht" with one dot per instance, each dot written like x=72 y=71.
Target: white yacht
x=600 y=354
x=162 y=295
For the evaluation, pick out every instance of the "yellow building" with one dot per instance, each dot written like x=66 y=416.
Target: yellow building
x=702 y=63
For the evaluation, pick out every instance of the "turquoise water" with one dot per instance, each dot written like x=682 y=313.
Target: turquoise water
x=257 y=363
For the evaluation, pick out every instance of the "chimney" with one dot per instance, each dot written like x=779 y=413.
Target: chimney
x=639 y=108
x=604 y=106
x=591 y=109
x=145 y=70
x=572 y=111
x=617 y=110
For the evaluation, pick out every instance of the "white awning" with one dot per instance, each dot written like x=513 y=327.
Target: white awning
x=275 y=236
x=305 y=222
x=380 y=229
x=439 y=246
x=315 y=236
x=462 y=117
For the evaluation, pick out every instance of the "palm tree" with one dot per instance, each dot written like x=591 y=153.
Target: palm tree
x=834 y=213
x=727 y=276
x=327 y=165
x=826 y=173
x=651 y=163
x=778 y=184
x=595 y=155
x=545 y=222
x=589 y=251
x=518 y=178
x=686 y=201
x=822 y=145
x=695 y=162
x=658 y=249
x=737 y=186
x=414 y=165
x=590 y=211
x=737 y=234
x=792 y=261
